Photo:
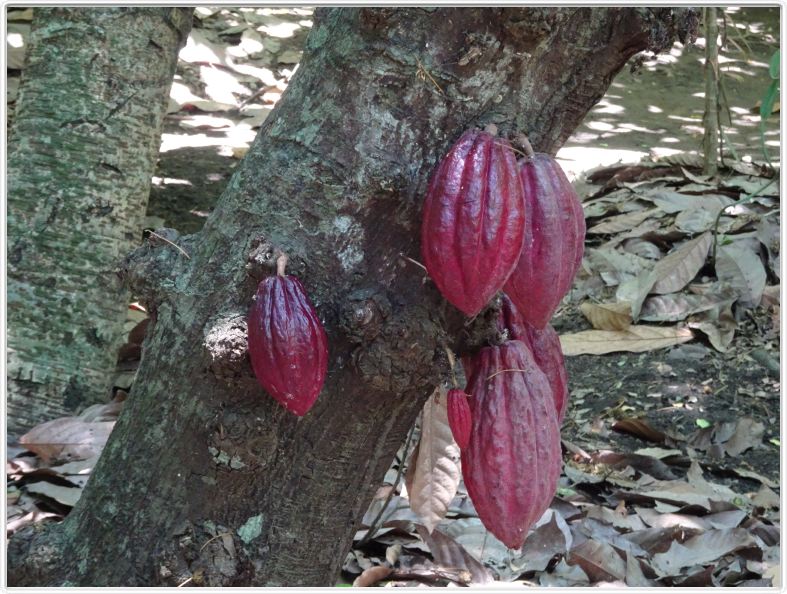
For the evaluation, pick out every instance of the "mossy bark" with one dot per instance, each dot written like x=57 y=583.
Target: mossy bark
x=335 y=179
x=82 y=151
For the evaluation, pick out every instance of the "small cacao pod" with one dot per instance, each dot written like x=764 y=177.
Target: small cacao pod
x=554 y=240
x=287 y=343
x=473 y=220
x=544 y=343
x=512 y=464
x=459 y=417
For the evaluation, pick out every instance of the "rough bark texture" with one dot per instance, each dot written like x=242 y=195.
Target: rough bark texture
x=335 y=178
x=82 y=151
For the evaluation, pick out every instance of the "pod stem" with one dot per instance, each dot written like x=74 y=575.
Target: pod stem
x=452 y=363
x=522 y=140
x=281 y=262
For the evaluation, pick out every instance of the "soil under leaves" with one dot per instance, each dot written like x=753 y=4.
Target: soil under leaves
x=671 y=455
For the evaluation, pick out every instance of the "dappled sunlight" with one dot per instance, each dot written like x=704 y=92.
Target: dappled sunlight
x=660 y=108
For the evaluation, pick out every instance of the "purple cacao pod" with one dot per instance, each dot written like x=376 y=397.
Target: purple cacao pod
x=473 y=220
x=544 y=343
x=459 y=417
x=512 y=464
x=554 y=240
x=287 y=343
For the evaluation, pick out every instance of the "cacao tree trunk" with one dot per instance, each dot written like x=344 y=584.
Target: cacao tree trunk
x=205 y=478
x=83 y=147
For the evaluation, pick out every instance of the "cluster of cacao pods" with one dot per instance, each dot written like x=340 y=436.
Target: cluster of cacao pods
x=491 y=223
x=287 y=344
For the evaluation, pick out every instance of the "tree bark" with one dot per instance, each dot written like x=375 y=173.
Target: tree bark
x=335 y=179
x=82 y=151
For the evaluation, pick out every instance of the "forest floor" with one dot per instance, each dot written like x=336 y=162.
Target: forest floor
x=672 y=436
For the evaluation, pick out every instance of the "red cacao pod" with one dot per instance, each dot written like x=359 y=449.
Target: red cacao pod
x=544 y=343
x=554 y=240
x=473 y=220
x=512 y=464
x=459 y=417
x=287 y=343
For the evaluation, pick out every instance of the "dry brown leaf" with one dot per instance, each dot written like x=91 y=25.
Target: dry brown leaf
x=371 y=576
x=67 y=438
x=738 y=266
x=437 y=471
x=748 y=434
x=701 y=550
x=607 y=316
x=718 y=325
x=599 y=561
x=639 y=428
x=635 y=339
x=623 y=222
x=449 y=553
x=65 y=495
x=678 y=268
x=675 y=307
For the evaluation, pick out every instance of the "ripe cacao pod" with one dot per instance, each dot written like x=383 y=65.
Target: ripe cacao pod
x=512 y=464
x=459 y=417
x=473 y=220
x=544 y=343
x=554 y=240
x=287 y=343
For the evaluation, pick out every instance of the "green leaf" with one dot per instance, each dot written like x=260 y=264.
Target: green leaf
x=776 y=441
x=773 y=68
x=702 y=423
x=766 y=108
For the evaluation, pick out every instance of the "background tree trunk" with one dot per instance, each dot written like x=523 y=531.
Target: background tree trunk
x=336 y=179
x=83 y=147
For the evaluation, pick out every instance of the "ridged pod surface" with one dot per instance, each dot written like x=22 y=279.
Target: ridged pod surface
x=544 y=343
x=473 y=220
x=459 y=417
x=554 y=240
x=512 y=464
x=287 y=343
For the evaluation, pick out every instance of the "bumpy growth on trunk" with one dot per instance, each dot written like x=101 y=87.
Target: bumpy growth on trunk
x=336 y=179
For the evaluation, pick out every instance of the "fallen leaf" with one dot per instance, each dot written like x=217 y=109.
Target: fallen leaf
x=437 y=472
x=766 y=498
x=748 y=434
x=564 y=575
x=599 y=561
x=636 y=339
x=607 y=316
x=65 y=495
x=739 y=267
x=718 y=324
x=449 y=553
x=67 y=438
x=675 y=307
x=635 y=578
x=639 y=428
x=552 y=536
x=622 y=222
x=675 y=270
x=371 y=576
x=701 y=549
